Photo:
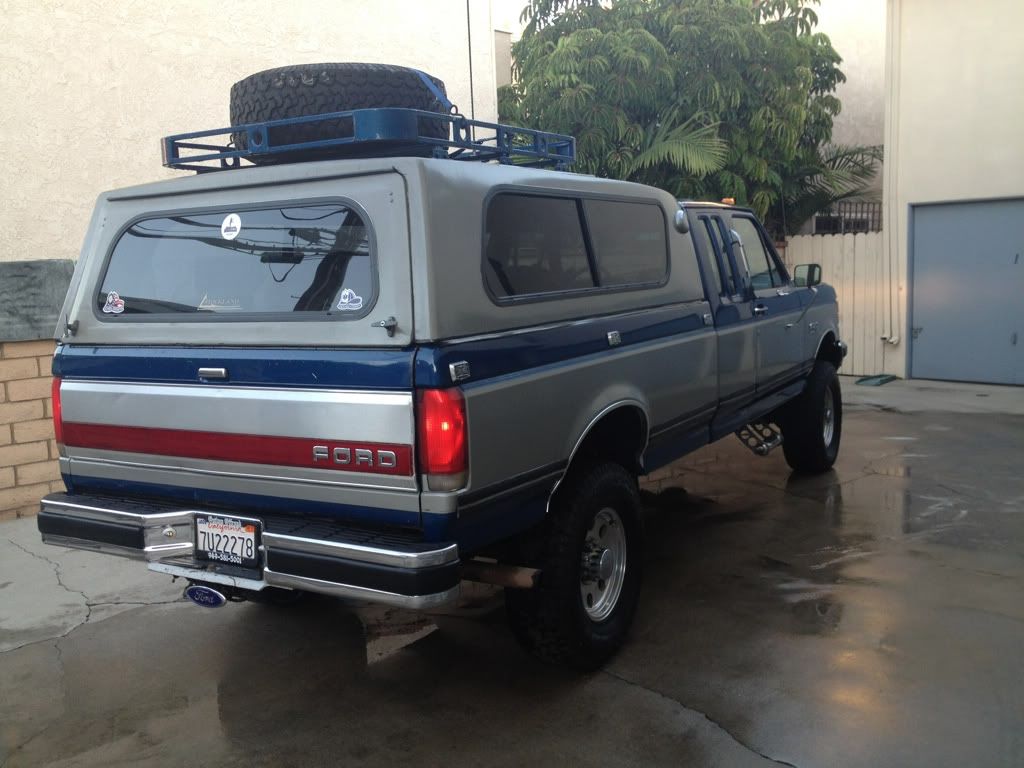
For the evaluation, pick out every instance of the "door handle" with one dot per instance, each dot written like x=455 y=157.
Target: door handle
x=213 y=373
x=760 y=309
x=782 y=292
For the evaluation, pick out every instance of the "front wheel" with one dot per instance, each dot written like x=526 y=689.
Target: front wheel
x=813 y=423
x=580 y=612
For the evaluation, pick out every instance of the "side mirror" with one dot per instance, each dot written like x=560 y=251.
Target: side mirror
x=682 y=224
x=806 y=275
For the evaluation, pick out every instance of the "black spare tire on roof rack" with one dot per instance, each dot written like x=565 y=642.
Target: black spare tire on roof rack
x=315 y=89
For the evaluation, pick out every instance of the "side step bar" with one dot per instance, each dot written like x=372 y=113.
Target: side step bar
x=410 y=574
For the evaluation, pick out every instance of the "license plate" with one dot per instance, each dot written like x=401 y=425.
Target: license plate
x=229 y=540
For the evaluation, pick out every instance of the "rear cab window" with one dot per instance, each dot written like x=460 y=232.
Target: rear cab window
x=540 y=246
x=294 y=261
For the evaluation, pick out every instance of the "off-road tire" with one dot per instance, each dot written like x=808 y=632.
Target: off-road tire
x=315 y=89
x=803 y=422
x=551 y=620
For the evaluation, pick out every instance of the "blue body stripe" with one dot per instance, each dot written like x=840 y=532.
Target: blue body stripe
x=519 y=352
x=252 y=366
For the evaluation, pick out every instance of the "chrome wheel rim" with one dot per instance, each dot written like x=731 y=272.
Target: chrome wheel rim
x=603 y=570
x=828 y=428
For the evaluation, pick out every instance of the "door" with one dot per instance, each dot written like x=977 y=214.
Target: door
x=733 y=312
x=776 y=303
x=967 y=284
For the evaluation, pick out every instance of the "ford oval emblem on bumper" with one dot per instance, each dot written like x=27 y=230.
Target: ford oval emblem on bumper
x=205 y=596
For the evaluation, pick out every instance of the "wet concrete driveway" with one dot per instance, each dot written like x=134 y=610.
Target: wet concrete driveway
x=870 y=617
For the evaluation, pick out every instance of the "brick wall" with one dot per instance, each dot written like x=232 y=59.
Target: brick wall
x=28 y=452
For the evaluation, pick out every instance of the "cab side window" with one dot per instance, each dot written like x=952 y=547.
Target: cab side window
x=763 y=271
x=713 y=228
x=700 y=234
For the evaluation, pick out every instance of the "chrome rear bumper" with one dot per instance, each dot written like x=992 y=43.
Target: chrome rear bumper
x=316 y=557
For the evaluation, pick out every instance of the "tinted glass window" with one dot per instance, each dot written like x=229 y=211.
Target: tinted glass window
x=628 y=241
x=762 y=269
x=534 y=244
x=307 y=258
x=713 y=228
x=700 y=234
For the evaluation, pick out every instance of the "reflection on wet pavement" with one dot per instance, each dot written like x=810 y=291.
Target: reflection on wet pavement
x=871 y=616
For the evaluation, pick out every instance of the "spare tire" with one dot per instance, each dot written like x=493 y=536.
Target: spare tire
x=314 y=89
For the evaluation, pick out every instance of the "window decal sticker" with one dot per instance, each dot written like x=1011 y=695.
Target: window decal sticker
x=349 y=301
x=231 y=227
x=219 y=304
x=114 y=305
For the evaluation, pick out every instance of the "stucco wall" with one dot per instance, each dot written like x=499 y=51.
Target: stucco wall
x=89 y=87
x=953 y=121
x=857 y=31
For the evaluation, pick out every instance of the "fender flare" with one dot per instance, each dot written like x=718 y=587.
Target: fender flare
x=594 y=421
x=840 y=347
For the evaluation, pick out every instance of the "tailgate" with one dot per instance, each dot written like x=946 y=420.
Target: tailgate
x=328 y=432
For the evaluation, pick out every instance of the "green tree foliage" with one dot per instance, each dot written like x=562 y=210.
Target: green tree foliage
x=704 y=98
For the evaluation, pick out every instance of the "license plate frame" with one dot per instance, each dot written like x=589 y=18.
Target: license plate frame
x=240 y=541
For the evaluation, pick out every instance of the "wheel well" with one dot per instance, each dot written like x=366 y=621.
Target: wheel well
x=827 y=350
x=620 y=436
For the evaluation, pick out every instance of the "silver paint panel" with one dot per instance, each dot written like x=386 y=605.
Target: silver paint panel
x=245 y=471
x=555 y=404
x=737 y=358
x=780 y=342
x=280 y=487
x=446 y=214
x=379 y=417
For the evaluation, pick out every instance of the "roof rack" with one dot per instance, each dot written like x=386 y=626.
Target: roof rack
x=380 y=132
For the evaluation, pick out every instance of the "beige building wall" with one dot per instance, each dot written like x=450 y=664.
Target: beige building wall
x=89 y=88
x=955 y=107
x=857 y=31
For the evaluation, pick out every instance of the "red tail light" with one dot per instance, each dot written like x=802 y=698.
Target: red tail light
x=441 y=438
x=58 y=419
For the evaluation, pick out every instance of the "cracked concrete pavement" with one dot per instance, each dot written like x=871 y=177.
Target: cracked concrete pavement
x=871 y=616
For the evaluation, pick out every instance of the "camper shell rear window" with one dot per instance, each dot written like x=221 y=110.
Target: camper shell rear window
x=297 y=261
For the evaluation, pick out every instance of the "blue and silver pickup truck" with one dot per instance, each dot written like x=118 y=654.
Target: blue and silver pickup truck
x=365 y=367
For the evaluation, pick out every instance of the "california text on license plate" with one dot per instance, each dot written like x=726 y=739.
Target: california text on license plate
x=228 y=540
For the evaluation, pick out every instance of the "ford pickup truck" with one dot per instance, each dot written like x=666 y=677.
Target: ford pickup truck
x=373 y=377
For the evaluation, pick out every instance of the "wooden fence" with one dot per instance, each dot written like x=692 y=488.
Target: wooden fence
x=854 y=265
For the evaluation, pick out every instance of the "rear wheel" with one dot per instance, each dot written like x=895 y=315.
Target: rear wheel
x=812 y=425
x=580 y=612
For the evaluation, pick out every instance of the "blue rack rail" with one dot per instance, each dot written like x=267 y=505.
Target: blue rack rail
x=380 y=132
